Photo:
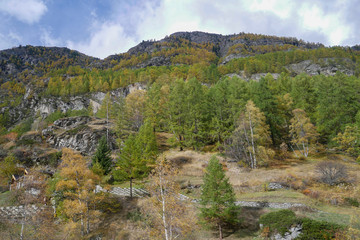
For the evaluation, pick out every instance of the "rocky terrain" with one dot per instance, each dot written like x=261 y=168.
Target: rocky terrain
x=30 y=70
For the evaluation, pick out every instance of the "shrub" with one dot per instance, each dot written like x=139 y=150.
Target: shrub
x=54 y=116
x=23 y=127
x=279 y=221
x=312 y=229
x=332 y=173
x=352 y=201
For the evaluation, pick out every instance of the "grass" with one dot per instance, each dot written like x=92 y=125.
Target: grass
x=6 y=199
x=126 y=184
x=280 y=196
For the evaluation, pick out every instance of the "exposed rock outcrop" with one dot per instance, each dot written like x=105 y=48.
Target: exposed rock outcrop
x=327 y=67
x=79 y=133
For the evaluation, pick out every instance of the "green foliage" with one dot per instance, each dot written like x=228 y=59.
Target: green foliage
x=137 y=155
x=217 y=200
x=337 y=105
x=54 y=158
x=105 y=108
x=312 y=229
x=352 y=201
x=52 y=117
x=279 y=221
x=8 y=167
x=23 y=127
x=102 y=156
x=348 y=140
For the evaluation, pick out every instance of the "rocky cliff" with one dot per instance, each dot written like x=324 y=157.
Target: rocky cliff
x=79 y=133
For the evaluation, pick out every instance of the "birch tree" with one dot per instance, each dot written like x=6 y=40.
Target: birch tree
x=303 y=132
x=171 y=213
x=250 y=141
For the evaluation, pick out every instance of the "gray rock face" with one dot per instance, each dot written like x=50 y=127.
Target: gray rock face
x=79 y=133
x=270 y=205
x=71 y=122
x=33 y=137
x=327 y=67
x=274 y=186
x=293 y=233
x=33 y=103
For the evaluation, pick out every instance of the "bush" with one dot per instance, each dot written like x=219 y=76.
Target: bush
x=54 y=116
x=312 y=229
x=23 y=127
x=352 y=202
x=332 y=173
x=71 y=113
x=77 y=113
x=279 y=221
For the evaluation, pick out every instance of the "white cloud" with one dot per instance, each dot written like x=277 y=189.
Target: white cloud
x=129 y=24
x=28 y=11
x=9 y=40
x=47 y=40
x=106 y=39
x=330 y=24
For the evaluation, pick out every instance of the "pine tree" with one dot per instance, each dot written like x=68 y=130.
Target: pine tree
x=176 y=111
x=102 y=156
x=137 y=155
x=217 y=198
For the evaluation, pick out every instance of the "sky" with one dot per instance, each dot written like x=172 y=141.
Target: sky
x=100 y=28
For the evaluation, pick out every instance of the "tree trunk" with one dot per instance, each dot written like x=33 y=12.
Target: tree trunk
x=131 y=195
x=220 y=232
x=22 y=231
x=87 y=219
x=180 y=140
x=252 y=142
x=163 y=214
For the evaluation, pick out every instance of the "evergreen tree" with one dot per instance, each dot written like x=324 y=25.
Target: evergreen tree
x=102 y=156
x=195 y=103
x=338 y=101
x=217 y=198
x=137 y=155
x=177 y=112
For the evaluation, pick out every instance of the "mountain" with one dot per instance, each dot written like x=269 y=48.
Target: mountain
x=37 y=61
x=37 y=82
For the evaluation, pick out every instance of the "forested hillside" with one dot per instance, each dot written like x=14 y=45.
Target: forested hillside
x=257 y=103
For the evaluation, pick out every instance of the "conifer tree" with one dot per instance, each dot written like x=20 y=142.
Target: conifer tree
x=176 y=111
x=217 y=199
x=137 y=155
x=102 y=156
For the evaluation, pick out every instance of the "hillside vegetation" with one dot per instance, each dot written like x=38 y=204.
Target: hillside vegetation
x=205 y=123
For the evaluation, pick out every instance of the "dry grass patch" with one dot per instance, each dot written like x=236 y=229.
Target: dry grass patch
x=190 y=163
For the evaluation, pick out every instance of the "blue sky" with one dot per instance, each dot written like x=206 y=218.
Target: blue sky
x=104 y=27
